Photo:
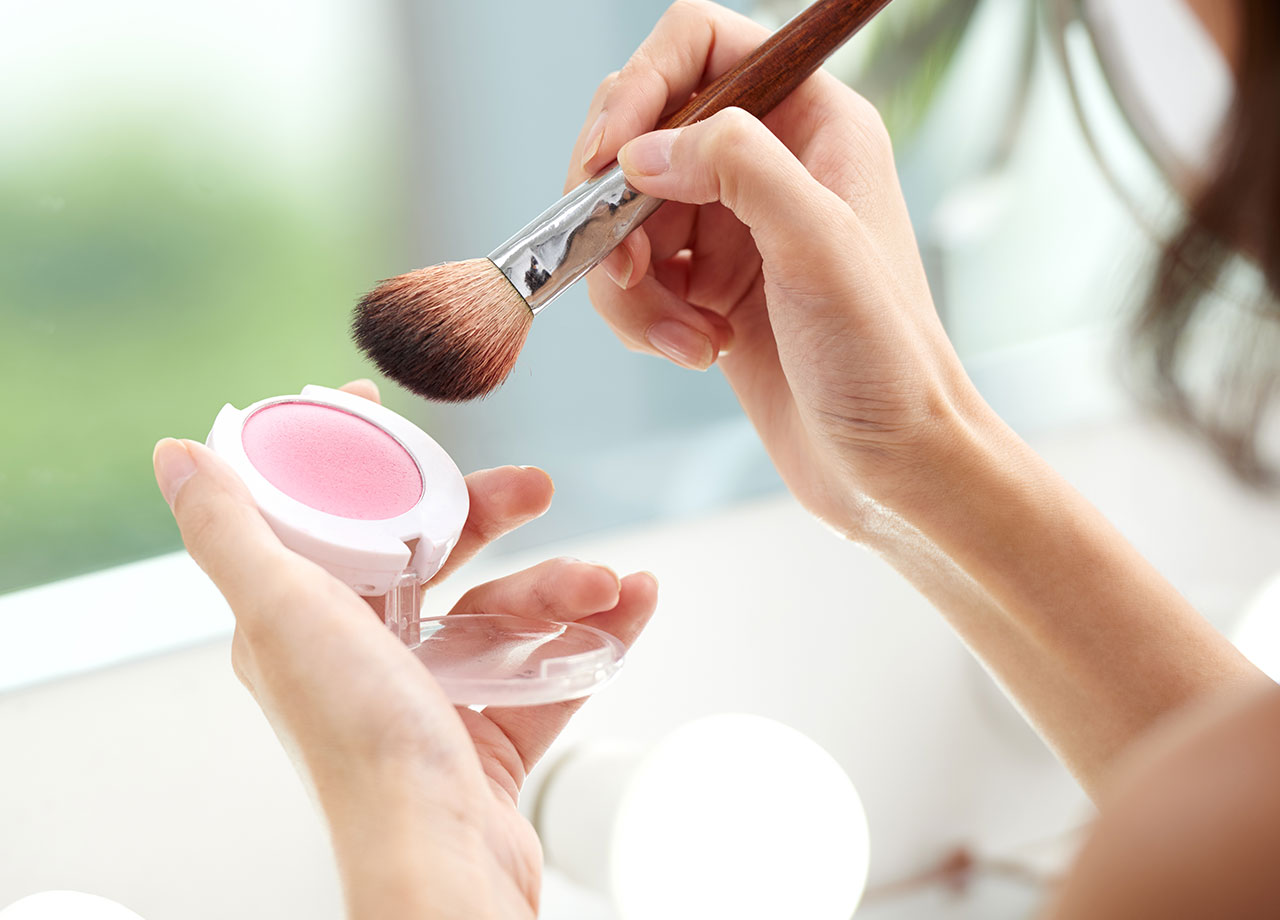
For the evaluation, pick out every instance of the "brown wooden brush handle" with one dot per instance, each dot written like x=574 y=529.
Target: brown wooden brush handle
x=768 y=75
x=571 y=237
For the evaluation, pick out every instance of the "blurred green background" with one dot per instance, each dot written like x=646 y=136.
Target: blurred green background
x=192 y=197
x=137 y=294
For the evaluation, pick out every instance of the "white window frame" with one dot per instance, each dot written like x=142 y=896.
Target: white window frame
x=106 y=618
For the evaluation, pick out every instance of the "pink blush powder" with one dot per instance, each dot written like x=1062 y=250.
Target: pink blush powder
x=332 y=461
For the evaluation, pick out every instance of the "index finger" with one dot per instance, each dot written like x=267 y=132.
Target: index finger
x=693 y=43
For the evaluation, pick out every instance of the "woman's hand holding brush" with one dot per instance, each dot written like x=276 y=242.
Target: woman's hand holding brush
x=787 y=244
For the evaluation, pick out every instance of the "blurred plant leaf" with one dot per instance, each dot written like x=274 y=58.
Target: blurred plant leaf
x=900 y=59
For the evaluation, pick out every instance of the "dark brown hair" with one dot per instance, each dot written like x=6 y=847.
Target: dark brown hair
x=1237 y=211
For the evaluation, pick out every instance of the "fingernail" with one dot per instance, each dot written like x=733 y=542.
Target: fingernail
x=537 y=469
x=649 y=154
x=619 y=267
x=617 y=579
x=174 y=466
x=682 y=344
x=595 y=137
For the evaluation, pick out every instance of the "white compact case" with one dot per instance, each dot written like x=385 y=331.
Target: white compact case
x=373 y=499
x=370 y=555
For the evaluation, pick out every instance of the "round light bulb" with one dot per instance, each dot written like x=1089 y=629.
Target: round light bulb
x=60 y=905
x=728 y=816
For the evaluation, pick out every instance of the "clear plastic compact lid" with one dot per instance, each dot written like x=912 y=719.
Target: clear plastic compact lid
x=497 y=660
x=492 y=659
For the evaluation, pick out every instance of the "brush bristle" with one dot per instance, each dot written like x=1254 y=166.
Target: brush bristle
x=448 y=332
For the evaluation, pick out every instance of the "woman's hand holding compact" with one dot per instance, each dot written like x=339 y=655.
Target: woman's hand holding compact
x=420 y=795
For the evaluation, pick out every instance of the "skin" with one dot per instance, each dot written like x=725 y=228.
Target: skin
x=420 y=796
x=786 y=255
x=1190 y=825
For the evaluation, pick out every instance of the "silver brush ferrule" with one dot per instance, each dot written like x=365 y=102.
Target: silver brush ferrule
x=570 y=238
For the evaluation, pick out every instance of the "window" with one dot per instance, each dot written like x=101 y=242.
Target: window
x=193 y=196
x=190 y=196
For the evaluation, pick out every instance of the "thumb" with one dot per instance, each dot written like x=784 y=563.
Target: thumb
x=734 y=159
x=220 y=523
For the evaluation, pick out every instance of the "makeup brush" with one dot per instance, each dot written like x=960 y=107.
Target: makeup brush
x=453 y=332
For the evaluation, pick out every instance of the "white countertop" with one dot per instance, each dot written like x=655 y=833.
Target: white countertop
x=157 y=782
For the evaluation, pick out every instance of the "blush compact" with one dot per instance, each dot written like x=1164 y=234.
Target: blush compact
x=370 y=497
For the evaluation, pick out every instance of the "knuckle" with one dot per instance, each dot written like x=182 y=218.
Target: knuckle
x=736 y=137
x=642 y=60
x=669 y=37
x=680 y=8
x=647 y=73
x=473 y=598
x=631 y=114
x=735 y=124
x=696 y=9
x=605 y=86
x=488 y=529
x=734 y=143
x=544 y=592
x=872 y=132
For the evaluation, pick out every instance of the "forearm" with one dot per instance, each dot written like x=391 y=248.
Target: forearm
x=1084 y=633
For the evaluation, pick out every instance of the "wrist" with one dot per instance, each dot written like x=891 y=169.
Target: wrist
x=960 y=446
